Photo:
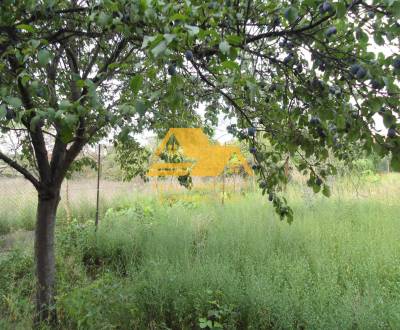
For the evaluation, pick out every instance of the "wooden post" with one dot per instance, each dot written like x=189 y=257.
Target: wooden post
x=223 y=187
x=67 y=204
x=98 y=187
x=223 y=184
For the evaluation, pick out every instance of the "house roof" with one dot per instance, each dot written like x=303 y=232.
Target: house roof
x=209 y=159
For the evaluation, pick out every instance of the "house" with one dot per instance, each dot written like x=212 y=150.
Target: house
x=202 y=157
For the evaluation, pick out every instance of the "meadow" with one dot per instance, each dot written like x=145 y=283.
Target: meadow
x=185 y=261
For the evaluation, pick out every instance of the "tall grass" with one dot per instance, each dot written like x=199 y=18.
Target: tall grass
x=190 y=264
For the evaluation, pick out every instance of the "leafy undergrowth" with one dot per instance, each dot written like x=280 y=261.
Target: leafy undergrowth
x=190 y=265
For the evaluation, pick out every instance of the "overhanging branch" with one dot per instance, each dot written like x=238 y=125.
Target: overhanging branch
x=19 y=168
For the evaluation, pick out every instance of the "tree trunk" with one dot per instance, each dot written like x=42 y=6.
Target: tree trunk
x=45 y=256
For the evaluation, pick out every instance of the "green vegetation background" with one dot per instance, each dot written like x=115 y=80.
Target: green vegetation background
x=193 y=263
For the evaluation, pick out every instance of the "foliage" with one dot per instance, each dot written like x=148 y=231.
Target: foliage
x=218 y=313
x=309 y=76
x=16 y=285
x=132 y=158
x=173 y=153
x=157 y=266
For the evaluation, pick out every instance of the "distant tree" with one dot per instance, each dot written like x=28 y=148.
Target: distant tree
x=307 y=75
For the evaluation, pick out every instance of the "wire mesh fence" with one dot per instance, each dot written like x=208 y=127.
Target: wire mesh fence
x=18 y=198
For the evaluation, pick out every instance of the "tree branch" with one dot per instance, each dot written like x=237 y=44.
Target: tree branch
x=36 y=134
x=20 y=169
x=113 y=57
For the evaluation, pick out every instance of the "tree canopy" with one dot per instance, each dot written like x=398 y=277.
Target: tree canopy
x=307 y=75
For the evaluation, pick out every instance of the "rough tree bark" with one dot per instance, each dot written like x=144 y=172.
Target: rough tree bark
x=48 y=200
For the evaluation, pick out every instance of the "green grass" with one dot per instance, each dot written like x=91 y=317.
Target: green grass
x=153 y=266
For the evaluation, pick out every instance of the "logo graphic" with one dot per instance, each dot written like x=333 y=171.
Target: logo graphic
x=187 y=151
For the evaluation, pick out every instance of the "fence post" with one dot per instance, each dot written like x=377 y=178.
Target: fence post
x=67 y=204
x=98 y=186
x=223 y=187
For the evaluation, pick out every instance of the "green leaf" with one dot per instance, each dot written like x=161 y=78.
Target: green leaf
x=103 y=18
x=25 y=79
x=388 y=119
x=113 y=66
x=126 y=109
x=80 y=83
x=35 y=43
x=64 y=104
x=26 y=27
x=291 y=14
x=43 y=57
x=136 y=83
x=395 y=9
x=326 y=191
x=224 y=47
x=374 y=104
x=378 y=38
x=34 y=122
x=71 y=119
x=147 y=40
x=169 y=37
x=179 y=17
x=66 y=134
x=3 y=111
x=362 y=36
x=234 y=39
x=316 y=188
x=217 y=325
x=140 y=107
x=341 y=9
x=14 y=101
x=192 y=30
x=395 y=162
x=231 y=65
x=159 y=49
